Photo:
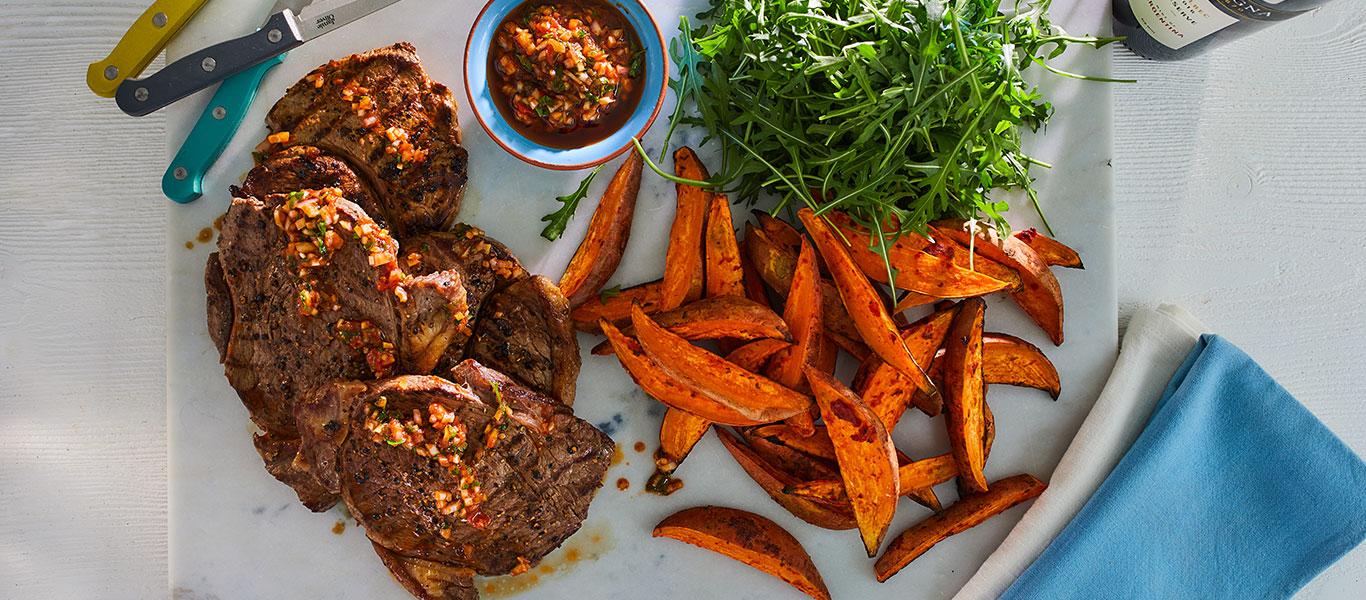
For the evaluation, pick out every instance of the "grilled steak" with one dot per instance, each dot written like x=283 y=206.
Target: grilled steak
x=379 y=112
x=535 y=465
x=308 y=168
x=522 y=325
x=485 y=265
x=329 y=330
x=219 y=305
x=427 y=580
x=275 y=351
x=525 y=332
x=279 y=454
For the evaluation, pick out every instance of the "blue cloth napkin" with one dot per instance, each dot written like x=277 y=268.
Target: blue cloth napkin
x=1233 y=490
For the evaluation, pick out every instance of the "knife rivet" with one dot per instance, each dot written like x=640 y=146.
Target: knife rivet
x=274 y=36
x=208 y=64
x=140 y=94
x=180 y=173
x=159 y=19
x=111 y=72
x=219 y=112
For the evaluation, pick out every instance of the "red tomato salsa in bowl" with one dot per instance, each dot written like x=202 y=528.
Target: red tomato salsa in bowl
x=567 y=73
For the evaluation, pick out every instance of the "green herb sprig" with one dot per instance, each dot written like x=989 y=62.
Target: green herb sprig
x=568 y=204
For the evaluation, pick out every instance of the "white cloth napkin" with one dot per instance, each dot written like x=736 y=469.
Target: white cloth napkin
x=1156 y=343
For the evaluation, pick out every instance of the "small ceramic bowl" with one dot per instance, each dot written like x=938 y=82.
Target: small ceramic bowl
x=541 y=155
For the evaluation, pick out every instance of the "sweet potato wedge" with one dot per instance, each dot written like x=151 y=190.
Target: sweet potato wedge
x=885 y=389
x=790 y=460
x=683 y=268
x=914 y=477
x=965 y=393
x=1039 y=294
x=724 y=274
x=752 y=356
x=600 y=252
x=678 y=433
x=803 y=314
x=776 y=267
x=754 y=285
x=724 y=317
x=754 y=396
x=664 y=387
x=750 y=539
x=817 y=444
x=778 y=230
x=1053 y=252
x=957 y=251
x=928 y=472
x=826 y=491
x=957 y=518
x=919 y=267
x=681 y=430
x=911 y=300
x=773 y=481
x=615 y=307
x=869 y=313
x=863 y=449
x=1011 y=361
x=1008 y=360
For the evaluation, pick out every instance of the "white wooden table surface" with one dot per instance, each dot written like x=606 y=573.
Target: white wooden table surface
x=1239 y=182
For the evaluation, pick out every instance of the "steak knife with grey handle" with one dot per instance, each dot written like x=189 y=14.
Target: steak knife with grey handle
x=283 y=32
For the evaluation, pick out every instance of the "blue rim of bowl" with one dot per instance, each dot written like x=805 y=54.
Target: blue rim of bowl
x=507 y=129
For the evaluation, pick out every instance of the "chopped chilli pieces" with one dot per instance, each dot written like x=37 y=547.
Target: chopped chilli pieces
x=564 y=67
x=363 y=337
x=398 y=142
x=439 y=435
x=316 y=230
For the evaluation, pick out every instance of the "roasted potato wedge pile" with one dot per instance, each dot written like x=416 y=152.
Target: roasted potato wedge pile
x=742 y=336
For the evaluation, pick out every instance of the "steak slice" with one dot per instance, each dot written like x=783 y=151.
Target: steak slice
x=219 y=305
x=308 y=168
x=537 y=477
x=485 y=264
x=275 y=352
x=392 y=124
x=525 y=331
x=427 y=580
x=279 y=454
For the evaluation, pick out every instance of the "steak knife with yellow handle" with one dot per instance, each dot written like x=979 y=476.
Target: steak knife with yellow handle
x=140 y=44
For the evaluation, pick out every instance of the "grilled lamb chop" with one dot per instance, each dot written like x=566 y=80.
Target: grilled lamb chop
x=531 y=466
x=485 y=264
x=427 y=580
x=525 y=332
x=379 y=112
x=275 y=350
x=522 y=325
x=308 y=168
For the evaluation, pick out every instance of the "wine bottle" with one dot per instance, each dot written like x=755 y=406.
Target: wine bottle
x=1178 y=29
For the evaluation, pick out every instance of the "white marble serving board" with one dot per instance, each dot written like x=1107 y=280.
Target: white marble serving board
x=237 y=533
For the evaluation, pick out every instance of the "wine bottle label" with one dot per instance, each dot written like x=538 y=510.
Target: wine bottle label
x=1177 y=23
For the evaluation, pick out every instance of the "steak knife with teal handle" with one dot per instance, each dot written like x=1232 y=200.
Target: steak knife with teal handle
x=184 y=179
